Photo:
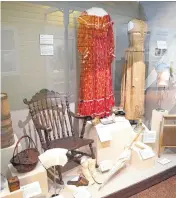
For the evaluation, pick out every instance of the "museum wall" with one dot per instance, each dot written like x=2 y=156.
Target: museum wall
x=25 y=71
x=160 y=17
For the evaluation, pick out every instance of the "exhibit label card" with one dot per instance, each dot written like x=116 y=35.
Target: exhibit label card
x=162 y=44
x=46 y=50
x=120 y=119
x=104 y=134
x=164 y=161
x=146 y=153
x=149 y=137
x=46 y=39
x=82 y=193
x=31 y=190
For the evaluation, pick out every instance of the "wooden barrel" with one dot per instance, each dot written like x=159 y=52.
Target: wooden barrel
x=7 y=135
x=5 y=110
x=6 y=122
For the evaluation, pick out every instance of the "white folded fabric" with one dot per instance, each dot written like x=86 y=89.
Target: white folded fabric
x=53 y=157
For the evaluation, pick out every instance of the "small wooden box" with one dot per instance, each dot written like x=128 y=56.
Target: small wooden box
x=39 y=174
x=14 y=183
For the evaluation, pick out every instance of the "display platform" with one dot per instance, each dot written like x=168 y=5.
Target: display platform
x=136 y=176
x=127 y=182
x=121 y=133
x=7 y=194
x=6 y=155
x=39 y=174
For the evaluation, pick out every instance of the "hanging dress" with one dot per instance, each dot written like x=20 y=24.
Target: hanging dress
x=133 y=77
x=96 y=48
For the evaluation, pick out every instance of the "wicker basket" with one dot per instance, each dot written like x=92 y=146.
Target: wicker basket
x=26 y=160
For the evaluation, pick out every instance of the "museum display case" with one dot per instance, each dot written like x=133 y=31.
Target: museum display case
x=92 y=93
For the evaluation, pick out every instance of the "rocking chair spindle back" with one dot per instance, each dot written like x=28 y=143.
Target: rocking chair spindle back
x=49 y=111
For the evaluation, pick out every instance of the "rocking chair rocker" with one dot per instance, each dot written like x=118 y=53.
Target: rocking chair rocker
x=53 y=121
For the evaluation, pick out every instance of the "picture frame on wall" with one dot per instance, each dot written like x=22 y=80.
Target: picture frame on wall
x=160 y=52
x=157 y=52
x=10 y=64
x=163 y=51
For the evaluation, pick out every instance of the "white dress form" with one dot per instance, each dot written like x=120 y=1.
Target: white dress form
x=96 y=12
x=163 y=78
x=130 y=26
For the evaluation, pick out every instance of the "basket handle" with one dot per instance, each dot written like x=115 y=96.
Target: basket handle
x=16 y=147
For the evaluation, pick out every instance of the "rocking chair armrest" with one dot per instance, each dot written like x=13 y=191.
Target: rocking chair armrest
x=80 y=117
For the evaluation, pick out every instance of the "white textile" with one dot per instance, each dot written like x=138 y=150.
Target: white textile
x=96 y=11
x=126 y=155
x=53 y=157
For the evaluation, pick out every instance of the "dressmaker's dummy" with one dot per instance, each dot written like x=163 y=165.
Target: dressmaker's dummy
x=163 y=79
x=133 y=79
x=96 y=11
x=162 y=83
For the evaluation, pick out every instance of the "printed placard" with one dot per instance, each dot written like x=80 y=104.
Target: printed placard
x=164 y=161
x=46 y=50
x=46 y=39
x=82 y=193
x=146 y=153
x=31 y=190
x=104 y=133
x=149 y=137
x=162 y=44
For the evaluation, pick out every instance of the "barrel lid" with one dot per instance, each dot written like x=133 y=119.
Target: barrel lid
x=3 y=96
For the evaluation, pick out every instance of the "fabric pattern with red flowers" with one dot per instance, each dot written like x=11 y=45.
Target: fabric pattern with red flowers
x=96 y=48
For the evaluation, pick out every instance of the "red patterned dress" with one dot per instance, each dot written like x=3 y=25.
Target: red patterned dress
x=96 y=48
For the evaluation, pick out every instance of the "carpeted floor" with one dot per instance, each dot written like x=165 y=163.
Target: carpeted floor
x=165 y=189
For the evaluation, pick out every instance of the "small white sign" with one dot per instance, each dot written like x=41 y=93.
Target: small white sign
x=46 y=50
x=138 y=146
x=162 y=44
x=104 y=134
x=164 y=161
x=82 y=193
x=146 y=153
x=108 y=120
x=31 y=190
x=46 y=39
x=120 y=119
x=149 y=137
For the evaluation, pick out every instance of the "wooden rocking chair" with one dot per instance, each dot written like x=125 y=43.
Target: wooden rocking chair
x=53 y=121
